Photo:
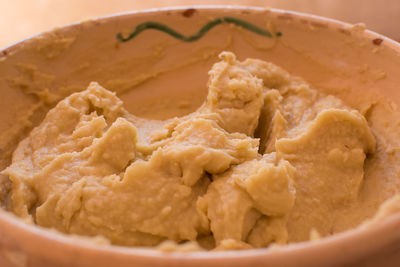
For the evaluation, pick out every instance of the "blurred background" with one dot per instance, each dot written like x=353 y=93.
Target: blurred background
x=22 y=18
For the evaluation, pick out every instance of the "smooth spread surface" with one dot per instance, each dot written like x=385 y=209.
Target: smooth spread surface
x=266 y=159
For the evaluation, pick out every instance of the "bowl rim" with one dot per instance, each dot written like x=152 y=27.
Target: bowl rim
x=314 y=18
x=75 y=243
x=341 y=239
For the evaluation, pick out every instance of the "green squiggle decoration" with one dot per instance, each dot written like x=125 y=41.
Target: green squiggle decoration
x=191 y=38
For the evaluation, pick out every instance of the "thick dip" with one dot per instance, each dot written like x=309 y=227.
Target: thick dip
x=266 y=159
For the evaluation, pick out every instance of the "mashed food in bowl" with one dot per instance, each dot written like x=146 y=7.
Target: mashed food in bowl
x=266 y=159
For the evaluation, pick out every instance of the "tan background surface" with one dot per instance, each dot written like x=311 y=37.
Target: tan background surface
x=22 y=18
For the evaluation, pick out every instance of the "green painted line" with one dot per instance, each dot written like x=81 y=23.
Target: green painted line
x=191 y=38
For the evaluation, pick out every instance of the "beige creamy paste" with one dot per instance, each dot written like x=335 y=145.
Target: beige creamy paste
x=266 y=159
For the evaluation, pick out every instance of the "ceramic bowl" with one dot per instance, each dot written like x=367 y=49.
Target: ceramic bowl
x=146 y=55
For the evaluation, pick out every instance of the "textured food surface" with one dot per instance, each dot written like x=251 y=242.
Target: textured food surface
x=266 y=159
